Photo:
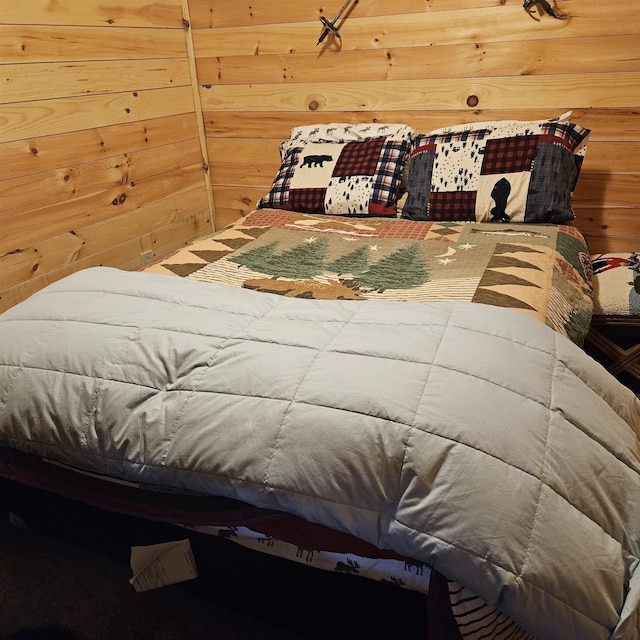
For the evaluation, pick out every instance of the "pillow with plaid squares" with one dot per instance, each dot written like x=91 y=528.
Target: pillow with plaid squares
x=511 y=172
x=347 y=177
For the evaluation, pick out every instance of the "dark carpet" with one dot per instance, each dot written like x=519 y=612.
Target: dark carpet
x=56 y=590
x=76 y=586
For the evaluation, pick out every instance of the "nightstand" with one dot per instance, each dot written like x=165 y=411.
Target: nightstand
x=614 y=341
x=614 y=337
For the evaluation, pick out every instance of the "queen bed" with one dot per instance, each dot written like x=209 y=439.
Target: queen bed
x=387 y=387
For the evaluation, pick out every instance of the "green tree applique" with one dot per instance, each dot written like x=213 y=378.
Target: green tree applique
x=300 y=262
x=259 y=259
x=354 y=263
x=402 y=269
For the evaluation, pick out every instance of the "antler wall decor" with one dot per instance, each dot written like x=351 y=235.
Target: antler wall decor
x=329 y=26
x=543 y=5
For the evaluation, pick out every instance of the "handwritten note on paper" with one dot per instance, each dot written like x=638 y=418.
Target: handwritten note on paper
x=159 y=565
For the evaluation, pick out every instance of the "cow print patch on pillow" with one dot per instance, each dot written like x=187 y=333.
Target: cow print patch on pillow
x=347 y=177
x=514 y=172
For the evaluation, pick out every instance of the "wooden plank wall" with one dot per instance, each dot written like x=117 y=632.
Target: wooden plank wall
x=422 y=62
x=100 y=157
x=104 y=155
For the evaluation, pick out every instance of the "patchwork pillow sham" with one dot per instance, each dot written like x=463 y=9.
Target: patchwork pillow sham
x=347 y=177
x=500 y=172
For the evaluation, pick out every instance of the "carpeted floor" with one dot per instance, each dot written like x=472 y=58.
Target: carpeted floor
x=82 y=585
x=46 y=583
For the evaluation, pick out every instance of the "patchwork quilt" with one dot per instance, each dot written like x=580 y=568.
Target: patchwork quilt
x=540 y=270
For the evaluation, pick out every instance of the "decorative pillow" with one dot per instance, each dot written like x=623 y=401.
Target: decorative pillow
x=501 y=172
x=344 y=132
x=355 y=177
x=616 y=283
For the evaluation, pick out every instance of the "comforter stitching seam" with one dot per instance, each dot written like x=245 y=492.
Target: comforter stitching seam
x=176 y=421
x=519 y=578
x=174 y=302
x=412 y=426
x=93 y=408
x=542 y=482
x=267 y=473
x=20 y=367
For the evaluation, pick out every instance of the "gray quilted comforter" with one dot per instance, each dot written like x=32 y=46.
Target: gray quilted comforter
x=465 y=436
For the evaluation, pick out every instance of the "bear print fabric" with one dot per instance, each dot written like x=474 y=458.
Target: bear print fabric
x=356 y=177
x=507 y=172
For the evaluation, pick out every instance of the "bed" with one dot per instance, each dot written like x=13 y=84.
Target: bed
x=388 y=387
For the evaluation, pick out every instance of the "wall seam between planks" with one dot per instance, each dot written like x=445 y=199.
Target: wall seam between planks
x=195 y=87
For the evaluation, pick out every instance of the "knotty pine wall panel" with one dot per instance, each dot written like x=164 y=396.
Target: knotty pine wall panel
x=100 y=152
x=423 y=63
x=129 y=13
x=100 y=156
